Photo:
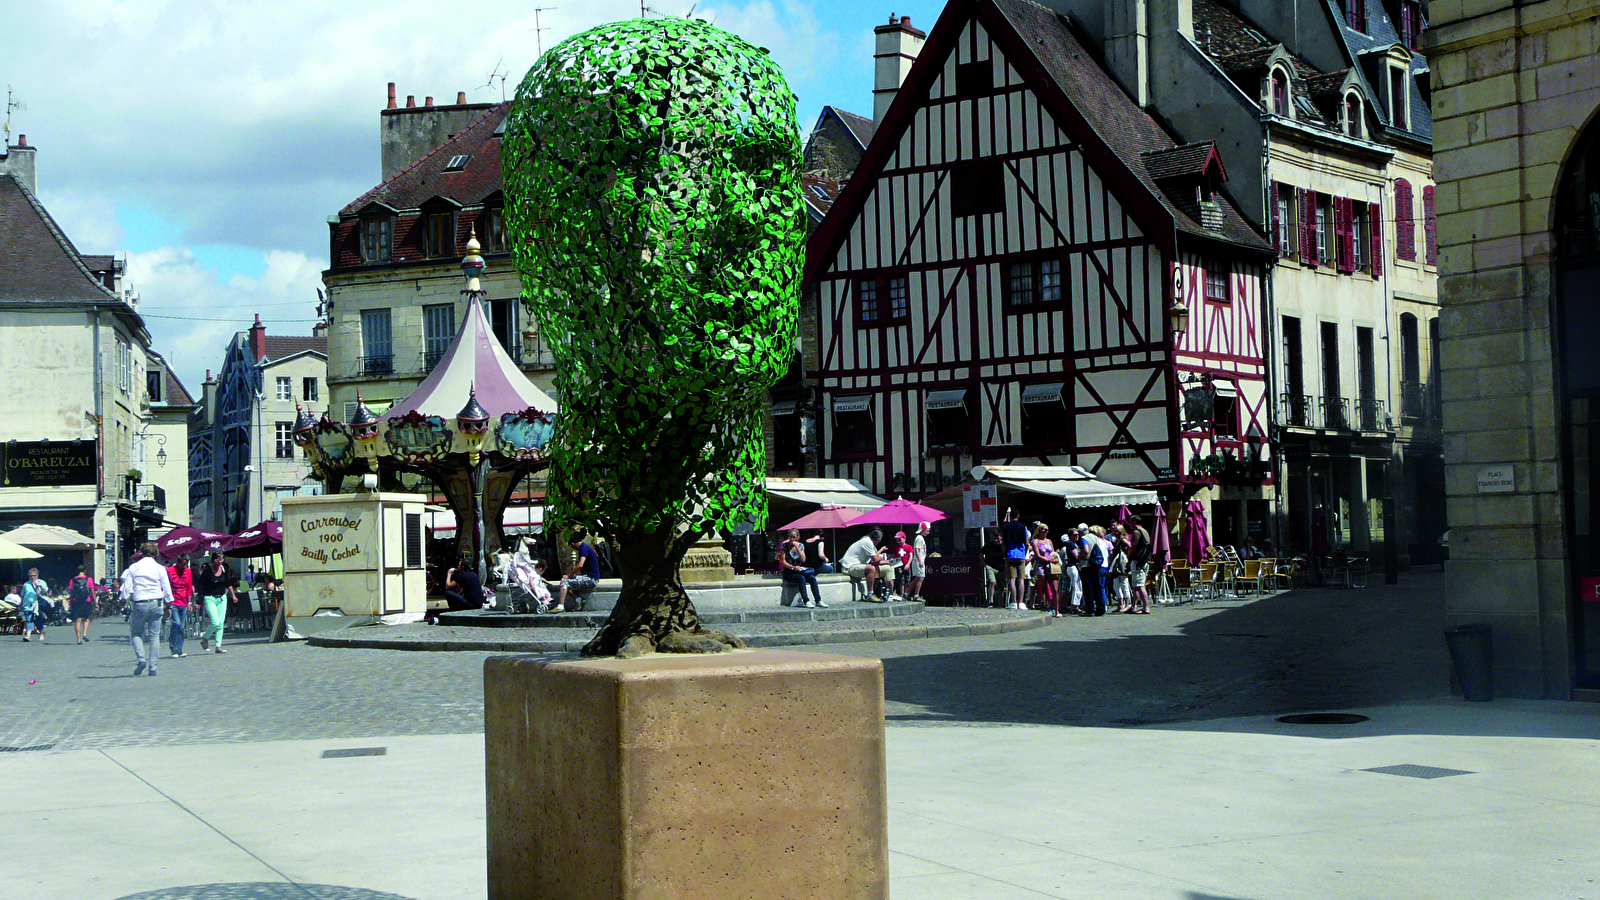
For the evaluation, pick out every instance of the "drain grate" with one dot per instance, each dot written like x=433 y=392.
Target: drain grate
x=355 y=751
x=1322 y=719
x=27 y=749
x=1412 y=771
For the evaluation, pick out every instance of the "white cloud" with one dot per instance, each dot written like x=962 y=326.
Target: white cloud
x=88 y=218
x=192 y=312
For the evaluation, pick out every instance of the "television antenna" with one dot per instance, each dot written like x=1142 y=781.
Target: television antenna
x=11 y=103
x=496 y=73
x=538 y=39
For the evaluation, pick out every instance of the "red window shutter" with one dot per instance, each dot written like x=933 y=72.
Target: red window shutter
x=1277 y=226
x=1405 y=232
x=1375 y=216
x=1430 y=234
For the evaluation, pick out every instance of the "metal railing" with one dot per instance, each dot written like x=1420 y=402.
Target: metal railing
x=147 y=496
x=377 y=365
x=1336 y=413
x=1298 y=410
x=1371 y=416
x=431 y=358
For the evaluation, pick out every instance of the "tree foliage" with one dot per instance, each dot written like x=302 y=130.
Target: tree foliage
x=652 y=177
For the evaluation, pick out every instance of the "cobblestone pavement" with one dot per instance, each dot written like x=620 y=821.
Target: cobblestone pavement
x=1307 y=649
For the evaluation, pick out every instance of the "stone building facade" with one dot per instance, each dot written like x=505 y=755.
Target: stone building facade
x=1515 y=89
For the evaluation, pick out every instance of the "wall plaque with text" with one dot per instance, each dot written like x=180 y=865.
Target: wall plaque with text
x=48 y=463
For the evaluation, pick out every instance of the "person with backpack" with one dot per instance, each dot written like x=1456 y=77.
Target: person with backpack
x=182 y=578
x=1092 y=573
x=80 y=603
x=1139 y=553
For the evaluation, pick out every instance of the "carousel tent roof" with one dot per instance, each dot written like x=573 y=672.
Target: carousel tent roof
x=474 y=361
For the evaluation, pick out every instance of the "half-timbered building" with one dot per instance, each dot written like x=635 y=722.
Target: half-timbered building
x=1026 y=268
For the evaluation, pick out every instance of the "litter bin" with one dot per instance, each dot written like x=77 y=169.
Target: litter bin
x=1471 y=649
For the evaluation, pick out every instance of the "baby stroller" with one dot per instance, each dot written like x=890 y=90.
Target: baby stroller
x=522 y=582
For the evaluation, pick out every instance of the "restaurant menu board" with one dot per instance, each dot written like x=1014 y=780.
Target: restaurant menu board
x=980 y=506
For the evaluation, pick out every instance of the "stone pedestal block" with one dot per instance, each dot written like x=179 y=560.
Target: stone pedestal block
x=754 y=774
x=706 y=561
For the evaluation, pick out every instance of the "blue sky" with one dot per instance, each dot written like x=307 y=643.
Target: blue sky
x=210 y=141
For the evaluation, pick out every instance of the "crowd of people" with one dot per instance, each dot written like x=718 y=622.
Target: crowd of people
x=892 y=569
x=1093 y=569
x=158 y=600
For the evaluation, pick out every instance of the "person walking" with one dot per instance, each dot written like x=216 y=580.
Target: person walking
x=215 y=584
x=1014 y=535
x=148 y=591
x=35 y=608
x=793 y=569
x=80 y=603
x=182 y=578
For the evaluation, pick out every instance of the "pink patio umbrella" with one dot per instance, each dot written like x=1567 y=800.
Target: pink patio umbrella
x=193 y=541
x=899 y=512
x=830 y=516
x=1195 y=538
x=1160 y=539
x=263 y=539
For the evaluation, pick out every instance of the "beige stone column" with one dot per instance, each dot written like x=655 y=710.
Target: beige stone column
x=752 y=774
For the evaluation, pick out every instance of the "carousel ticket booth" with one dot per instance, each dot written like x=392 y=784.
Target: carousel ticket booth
x=353 y=559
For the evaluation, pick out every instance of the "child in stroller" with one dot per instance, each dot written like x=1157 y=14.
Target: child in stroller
x=529 y=593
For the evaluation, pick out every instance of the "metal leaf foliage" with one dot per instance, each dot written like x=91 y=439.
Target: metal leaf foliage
x=652 y=172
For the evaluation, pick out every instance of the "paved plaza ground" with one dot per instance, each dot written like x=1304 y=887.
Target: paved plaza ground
x=1126 y=756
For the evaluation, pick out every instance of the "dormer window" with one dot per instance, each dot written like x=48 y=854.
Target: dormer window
x=1399 y=97
x=1280 y=93
x=1410 y=23
x=377 y=238
x=492 y=223
x=438 y=233
x=1355 y=14
x=1352 y=115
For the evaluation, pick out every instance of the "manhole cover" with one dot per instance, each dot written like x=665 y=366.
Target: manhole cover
x=1322 y=719
x=355 y=751
x=1414 y=771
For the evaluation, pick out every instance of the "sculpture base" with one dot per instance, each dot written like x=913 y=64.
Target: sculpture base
x=752 y=774
x=705 y=562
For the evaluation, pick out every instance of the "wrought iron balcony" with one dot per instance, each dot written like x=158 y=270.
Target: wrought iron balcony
x=143 y=494
x=1371 y=416
x=431 y=358
x=378 y=365
x=1336 y=413
x=1298 y=410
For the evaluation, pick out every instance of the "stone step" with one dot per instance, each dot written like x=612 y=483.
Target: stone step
x=744 y=592
x=773 y=613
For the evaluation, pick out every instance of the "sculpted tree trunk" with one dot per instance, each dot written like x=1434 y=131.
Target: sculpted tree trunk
x=653 y=612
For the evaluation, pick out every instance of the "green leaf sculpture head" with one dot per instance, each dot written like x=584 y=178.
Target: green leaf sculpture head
x=652 y=174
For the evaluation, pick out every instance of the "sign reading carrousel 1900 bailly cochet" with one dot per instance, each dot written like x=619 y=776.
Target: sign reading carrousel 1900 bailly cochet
x=48 y=463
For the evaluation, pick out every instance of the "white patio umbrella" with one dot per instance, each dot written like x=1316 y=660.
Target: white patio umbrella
x=11 y=550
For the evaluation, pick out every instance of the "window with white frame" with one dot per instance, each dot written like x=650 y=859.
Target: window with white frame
x=124 y=365
x=1280 y=93
x=285 y=387
x=284 y=432
x=1352 y=115
x=308 y=389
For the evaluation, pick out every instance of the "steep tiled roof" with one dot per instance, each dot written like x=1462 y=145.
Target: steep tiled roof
x=820 y=191
x=1127 y=130
x=281 y=345
x=426 y=178
x=37 y=262
x=862 y=127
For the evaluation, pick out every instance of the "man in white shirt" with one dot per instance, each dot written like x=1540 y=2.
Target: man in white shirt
x=862 y=560
x=148 y=590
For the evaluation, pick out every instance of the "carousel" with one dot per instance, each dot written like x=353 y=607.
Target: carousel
x=475 y=427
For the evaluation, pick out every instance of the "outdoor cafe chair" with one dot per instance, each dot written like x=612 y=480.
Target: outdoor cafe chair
x=1356 y=570
x=1184 y=583
x=1254 y=572
x=1283 y=573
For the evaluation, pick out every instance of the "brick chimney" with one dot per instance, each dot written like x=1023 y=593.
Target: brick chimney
x=410 y=132
x=258 y=339
x=18 y=160
x=895 y=49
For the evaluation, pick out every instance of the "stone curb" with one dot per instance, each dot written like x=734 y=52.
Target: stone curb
x=765 y=615
x=790 y=639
